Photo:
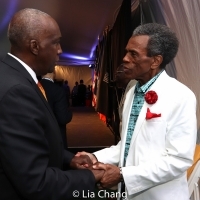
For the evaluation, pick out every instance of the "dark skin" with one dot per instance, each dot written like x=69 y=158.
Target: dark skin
x=121 y=80
x=81 y=162
x=138 y=66
x=84 y=162
x=41 y=53
x=108 y=181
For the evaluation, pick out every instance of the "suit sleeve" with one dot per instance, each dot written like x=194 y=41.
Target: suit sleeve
x=109 y=155
x=24 y=150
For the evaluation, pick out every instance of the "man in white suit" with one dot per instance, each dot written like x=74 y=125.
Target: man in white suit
x=158 y=135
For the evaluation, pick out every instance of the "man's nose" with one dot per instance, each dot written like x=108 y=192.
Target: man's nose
x=126 y=58
x=59 y=50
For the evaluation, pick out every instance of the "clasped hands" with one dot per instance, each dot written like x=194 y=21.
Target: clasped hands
x=106 y=175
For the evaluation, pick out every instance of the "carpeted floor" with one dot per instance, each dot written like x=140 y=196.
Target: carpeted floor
x=87 y=130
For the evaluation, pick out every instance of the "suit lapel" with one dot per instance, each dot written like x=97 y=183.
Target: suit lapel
x=126 y=115
x=125 y=119
x=157 y=86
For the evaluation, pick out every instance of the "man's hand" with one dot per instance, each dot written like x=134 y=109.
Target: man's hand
x=98 y=173
x=111 y=176
x=84 y=162
x=81 y=162
x=92 y=157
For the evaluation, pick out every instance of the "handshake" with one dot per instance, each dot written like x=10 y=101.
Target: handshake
x=106 y=175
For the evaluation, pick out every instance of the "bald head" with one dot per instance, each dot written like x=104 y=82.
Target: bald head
x=25 y=25
x=35 y=39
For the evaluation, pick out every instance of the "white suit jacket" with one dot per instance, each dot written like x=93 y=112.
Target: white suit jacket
x=162 y=148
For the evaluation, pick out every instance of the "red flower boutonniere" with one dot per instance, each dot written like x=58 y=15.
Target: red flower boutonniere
x=151 y=97
x=150 y=115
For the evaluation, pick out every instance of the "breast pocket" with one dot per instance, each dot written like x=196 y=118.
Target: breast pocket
x=154 y=131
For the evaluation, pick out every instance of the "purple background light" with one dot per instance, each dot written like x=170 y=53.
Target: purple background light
x=7 y=13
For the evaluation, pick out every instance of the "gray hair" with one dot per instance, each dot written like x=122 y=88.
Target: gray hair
x=25 y=25
x=162 y=41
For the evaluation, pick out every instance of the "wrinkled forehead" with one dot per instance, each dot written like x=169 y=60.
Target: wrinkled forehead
x=136 y=43
x=139 y=40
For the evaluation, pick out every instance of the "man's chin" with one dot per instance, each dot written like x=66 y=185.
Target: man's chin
x=51 y=69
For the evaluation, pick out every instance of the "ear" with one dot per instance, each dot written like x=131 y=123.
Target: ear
x=157 y=61
x=34 y=47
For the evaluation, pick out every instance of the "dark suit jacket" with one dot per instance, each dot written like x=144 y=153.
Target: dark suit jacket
x=57 y=100
x=82 y=94
x=32 y=158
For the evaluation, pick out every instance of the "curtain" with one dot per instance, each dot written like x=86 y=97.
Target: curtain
x=109 y=55
x=103 y=66
x=150 y=12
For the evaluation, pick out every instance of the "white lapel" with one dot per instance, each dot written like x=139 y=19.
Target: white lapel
x=128 y=100
x=157 y=87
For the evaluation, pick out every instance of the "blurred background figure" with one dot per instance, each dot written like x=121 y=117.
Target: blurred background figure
x=81 y=93
x=89 y=95
x=74 y=95
x=57 y=100
x=67 y=91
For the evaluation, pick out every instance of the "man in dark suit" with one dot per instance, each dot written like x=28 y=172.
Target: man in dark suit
x=82 y=93
x=33 y=161
x=58 y=102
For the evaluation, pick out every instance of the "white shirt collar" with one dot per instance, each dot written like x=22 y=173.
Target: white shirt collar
x=49 y=79
x=30 y=71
